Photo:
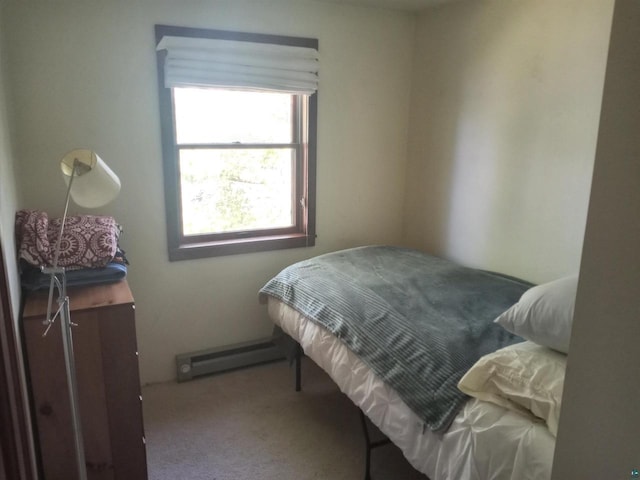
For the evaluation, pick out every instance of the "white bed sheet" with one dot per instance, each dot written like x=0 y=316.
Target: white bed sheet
x=484 y=442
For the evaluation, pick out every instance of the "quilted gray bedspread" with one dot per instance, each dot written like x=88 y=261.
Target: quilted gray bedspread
x=418 y=321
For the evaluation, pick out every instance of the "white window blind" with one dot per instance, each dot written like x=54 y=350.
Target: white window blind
x=210 y=62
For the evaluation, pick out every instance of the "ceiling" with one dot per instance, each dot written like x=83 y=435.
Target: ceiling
x=406 y=5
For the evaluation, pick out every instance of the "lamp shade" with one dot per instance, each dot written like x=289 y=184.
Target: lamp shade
x=94 y=183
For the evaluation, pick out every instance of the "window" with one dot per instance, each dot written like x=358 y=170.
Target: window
x=239 y=140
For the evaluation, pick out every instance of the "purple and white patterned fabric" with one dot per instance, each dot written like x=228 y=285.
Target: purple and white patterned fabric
x=88 y=241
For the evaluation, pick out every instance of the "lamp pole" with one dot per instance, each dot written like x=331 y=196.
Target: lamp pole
x=98 y=187
x=67 y=337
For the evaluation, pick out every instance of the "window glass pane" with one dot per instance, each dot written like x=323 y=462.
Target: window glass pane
x=213 y=115
x=228 y=190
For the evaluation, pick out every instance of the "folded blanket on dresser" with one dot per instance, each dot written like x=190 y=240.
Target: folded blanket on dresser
x=89 y=248
x=418 y=321
x=88 y=241
x=33 y=279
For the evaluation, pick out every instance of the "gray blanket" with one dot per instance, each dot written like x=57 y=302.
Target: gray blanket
x=419 y=322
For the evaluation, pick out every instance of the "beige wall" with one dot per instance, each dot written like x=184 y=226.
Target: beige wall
x=83 y=74
x=598 y=435
x=9 y=201
x=9 y=197
x=505 y=107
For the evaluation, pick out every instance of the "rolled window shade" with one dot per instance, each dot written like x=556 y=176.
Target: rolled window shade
x=209 y=62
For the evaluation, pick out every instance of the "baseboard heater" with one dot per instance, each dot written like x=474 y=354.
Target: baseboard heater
x=229 y=357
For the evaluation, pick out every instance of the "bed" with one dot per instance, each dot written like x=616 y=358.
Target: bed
x=435 y=354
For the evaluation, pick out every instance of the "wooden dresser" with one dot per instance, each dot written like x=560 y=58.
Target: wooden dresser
x=106 y=358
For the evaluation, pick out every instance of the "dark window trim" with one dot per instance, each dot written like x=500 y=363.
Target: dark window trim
x=180 y=250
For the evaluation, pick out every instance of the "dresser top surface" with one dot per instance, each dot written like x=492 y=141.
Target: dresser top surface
x=81 y=298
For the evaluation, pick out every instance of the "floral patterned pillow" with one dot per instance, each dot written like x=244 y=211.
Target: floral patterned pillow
x=88 y=241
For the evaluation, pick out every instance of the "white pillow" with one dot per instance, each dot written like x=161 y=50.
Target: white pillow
x=525 y=377
x=544 y=314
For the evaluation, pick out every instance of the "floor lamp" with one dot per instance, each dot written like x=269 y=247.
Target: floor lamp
x=90 y=183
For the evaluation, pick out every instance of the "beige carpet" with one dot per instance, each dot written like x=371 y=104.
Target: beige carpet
x=250 y=424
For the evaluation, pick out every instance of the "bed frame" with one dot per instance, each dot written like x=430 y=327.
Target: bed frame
x=479 y=438
x=369 y=443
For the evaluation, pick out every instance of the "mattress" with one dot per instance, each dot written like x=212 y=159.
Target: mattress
x=407 y=315
x=484 y=441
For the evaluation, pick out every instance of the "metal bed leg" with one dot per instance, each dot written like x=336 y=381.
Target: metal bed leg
x=369 y=445
x=298 y=359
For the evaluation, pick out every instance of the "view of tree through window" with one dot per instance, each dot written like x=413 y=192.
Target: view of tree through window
x=236 y=159
x=233 y=190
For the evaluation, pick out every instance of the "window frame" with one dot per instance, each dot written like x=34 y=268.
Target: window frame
x=302 y=234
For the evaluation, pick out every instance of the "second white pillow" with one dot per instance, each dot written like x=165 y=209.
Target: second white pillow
x=524 y=377
x=544 y=314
